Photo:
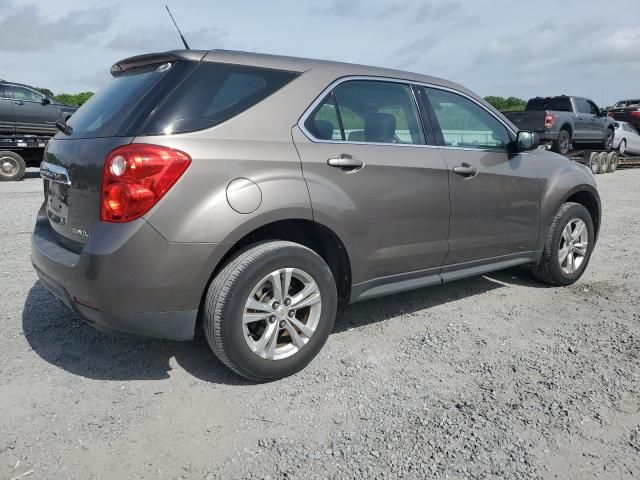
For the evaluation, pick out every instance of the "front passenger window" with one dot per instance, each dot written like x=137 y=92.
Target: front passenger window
x=464 y=124
x=26 y=95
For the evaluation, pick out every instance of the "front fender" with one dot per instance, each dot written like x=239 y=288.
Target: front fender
x=561 y=179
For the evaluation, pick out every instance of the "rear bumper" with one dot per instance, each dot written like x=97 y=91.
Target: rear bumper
x=128 y=279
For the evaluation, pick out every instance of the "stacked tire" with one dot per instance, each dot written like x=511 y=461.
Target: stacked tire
x=603 y=162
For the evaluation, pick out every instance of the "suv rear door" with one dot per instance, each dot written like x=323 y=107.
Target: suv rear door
x=495 y=194
x=389 y=202
x=7 y=119
x=30 y=113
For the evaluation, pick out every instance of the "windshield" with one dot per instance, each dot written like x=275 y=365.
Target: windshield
x=627 y=103
x=560 y=104
x=109 y=109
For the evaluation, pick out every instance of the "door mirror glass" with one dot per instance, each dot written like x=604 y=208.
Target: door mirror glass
x=527 y=141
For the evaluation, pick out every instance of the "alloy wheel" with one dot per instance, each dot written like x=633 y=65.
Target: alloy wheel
x=573 y=245
x=282 y=313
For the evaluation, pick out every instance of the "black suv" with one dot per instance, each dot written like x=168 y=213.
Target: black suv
x=24 y=110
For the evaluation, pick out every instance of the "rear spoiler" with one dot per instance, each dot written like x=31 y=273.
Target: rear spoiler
x=138 y=61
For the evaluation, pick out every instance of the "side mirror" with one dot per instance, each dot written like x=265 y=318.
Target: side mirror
x=527 y=141
x=46 y=101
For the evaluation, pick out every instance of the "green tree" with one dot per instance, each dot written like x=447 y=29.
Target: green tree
x=510 y=104
x=74 y=99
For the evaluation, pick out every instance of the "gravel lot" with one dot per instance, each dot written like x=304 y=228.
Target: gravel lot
x=491 y=377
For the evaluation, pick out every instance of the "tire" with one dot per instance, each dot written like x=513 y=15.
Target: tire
x=607 y=142
x=563 y=144
x=594 y=163
x=622 y=147
x=12 y=166
x=226 y=306
x=613 y=163
x=549 y=269
x=605 y=162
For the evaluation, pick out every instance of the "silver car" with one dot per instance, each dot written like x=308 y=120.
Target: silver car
x=626 y=139
x=256 y=193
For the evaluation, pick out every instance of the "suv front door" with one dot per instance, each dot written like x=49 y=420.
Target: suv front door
x=32 y=116
x=7 y=120
x=389 y=202
x=495 y=194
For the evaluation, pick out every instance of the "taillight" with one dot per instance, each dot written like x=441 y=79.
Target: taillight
x=548 y=121
x=636 y=113
x=611 y=114
x=135 y=177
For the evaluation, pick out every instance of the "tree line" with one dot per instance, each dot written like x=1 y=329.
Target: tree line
x=73 y=99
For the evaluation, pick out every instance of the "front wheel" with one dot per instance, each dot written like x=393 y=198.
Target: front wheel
x=568 y=247
x=270 y=310
x=607 y=142
x=622 y=147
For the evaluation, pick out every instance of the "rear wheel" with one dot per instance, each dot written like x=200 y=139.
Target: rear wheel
x=568 y=247
x=12 y=166
x=563 y=144
x=268 y=313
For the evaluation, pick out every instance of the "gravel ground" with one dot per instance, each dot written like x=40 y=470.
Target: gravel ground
x=490 y=377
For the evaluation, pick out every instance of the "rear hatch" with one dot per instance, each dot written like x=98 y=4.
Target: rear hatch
x=527 y=120
x=72 y=167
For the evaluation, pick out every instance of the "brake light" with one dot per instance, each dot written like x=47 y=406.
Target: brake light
x=548 y=120
x=135 y=177
x=636 y=113
x=611 y=114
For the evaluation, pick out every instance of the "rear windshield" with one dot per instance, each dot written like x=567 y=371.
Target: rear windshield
x=213 y=93
x=627 y=103
x=105 y=113
x=174 y=98
x=560 y=104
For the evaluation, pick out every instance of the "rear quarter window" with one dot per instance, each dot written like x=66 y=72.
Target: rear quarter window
x=559 y=104
x=213 y=93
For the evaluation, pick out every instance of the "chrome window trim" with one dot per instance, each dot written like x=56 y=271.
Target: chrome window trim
x=307 y=113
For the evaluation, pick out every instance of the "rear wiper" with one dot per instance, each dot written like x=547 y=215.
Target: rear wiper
x=63 y=127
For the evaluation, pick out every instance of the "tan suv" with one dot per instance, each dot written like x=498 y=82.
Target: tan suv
x=256 y=192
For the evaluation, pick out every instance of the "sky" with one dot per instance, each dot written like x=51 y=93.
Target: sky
x=494 y=47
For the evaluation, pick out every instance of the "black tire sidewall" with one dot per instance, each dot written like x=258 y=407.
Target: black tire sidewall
x=575 y=211
x=607 y=142
x=22 y=166
x=563 y=133
x=236 y=345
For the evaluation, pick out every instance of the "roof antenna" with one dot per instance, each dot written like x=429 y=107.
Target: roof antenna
x=186 y=45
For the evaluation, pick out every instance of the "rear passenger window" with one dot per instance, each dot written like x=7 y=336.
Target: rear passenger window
x=367 y=111
x=213 y=93
x=323 y=123
x=465 y=124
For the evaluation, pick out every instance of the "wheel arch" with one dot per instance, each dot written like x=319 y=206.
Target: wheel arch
x=591 y=202
x=314 y=235
x=568 y=127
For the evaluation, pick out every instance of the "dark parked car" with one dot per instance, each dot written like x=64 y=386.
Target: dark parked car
x=257 y=192
x=627 y=111
x=24 y=110
x=565 y=122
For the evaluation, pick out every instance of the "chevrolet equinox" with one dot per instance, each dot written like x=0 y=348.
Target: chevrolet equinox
x=258 y=192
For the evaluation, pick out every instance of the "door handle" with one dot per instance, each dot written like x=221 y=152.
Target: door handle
x=465 y=170
x=346 y=162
